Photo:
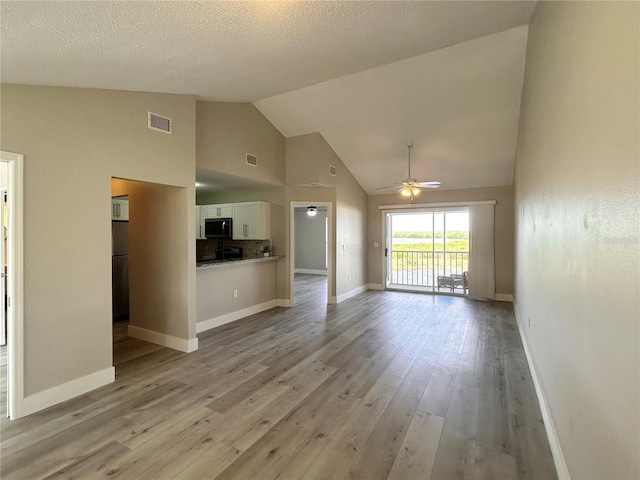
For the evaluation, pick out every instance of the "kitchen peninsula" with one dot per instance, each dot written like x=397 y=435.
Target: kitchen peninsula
x=228 y=290
x=235 y=271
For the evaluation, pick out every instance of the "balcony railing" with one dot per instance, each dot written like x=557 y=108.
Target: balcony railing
x=422 y=269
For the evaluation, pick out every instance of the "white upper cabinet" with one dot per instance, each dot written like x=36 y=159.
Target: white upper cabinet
x=120 y=209
x=217 y=211
x=251 y=221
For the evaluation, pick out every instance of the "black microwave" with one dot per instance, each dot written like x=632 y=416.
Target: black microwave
x=217 y=228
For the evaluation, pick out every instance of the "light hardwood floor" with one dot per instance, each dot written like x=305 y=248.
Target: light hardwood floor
x=384 y=385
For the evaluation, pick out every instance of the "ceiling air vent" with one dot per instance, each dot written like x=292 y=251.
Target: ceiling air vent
x=160 y=123
x=332 y=170
x=252 y=160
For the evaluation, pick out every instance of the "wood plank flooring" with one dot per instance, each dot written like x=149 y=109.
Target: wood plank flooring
x=384 y=385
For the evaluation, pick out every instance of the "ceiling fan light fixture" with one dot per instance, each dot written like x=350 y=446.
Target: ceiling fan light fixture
x=312 y=210
x=409 y=191
x=411 y=187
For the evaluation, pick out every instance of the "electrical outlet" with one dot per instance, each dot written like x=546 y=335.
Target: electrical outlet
x=235 y=294
x=376 y=245
x=529 y=321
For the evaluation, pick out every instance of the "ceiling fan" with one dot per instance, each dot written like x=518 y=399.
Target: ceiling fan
x=410 y=187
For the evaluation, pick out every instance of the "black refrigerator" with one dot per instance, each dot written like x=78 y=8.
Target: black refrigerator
x=120 y=270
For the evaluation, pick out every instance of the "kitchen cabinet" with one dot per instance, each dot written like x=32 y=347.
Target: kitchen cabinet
x=120 y=209
x=199 y=223
x=218 y=211
x=251 y=221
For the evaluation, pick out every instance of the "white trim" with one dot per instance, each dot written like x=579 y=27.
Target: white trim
x=310 y=271
x=356 y=291
x=233 y=316
x=60 y=393
x=176 y=343
x=504 y=297
x=15 y=284
x=554 y=441
x=3 y=292
x=375 y=286
x=435 y=205
x=284 y=302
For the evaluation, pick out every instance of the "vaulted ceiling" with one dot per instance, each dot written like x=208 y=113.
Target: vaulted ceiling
x=369 y=76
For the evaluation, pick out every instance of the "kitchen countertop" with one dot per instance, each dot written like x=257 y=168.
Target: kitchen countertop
x=221 y=263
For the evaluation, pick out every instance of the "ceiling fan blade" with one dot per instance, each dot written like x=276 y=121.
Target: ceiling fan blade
x=396 y=185
x=429 y=184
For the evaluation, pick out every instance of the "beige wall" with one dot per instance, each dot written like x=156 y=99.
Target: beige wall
x=351 y=232
x=308 y=160
x=504 y=234
x=255 y=283
x=310 y=240
x=74 y=141
x=227 y=131
x=577 y=223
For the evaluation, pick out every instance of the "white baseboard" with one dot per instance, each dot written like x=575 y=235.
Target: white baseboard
x=504 y=297
x=310 y=271
x=345 y=296
x=176 y=343
x=375 y=286
x=554 y=442
x=237 y=315
x=284 y=302
x=60 y=393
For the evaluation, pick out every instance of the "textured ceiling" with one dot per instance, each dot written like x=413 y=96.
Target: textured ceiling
x=459 y=105
x=233 y=51
x=369 y=76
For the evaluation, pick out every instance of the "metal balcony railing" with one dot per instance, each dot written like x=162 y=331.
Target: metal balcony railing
x=421 y=269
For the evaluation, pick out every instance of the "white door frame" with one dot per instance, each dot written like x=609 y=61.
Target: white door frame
x=3 y=293
x=331 y=246
x=15 y=283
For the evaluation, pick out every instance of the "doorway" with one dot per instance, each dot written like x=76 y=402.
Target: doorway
x=311 y=258
x=428 y=251
x=150 y=271
x=11 y=261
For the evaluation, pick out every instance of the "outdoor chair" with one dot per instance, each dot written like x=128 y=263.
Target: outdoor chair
x=446 y=282
x=461 y=281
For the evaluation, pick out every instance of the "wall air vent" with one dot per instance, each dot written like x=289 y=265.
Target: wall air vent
x=332 y=170
x=252 y=160
x=160 y=123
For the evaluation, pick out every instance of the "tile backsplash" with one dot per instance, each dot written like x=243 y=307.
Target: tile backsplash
x=206 y=249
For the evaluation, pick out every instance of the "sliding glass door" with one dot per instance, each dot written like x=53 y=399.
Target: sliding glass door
x=428 y=250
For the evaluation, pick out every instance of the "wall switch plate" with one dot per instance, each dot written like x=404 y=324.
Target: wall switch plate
x=235 y=294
